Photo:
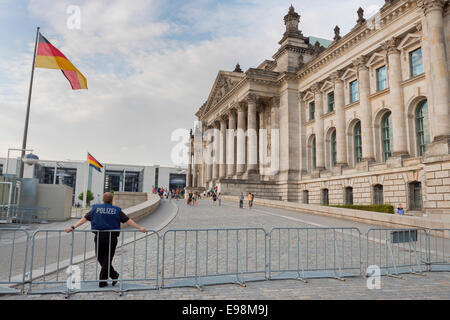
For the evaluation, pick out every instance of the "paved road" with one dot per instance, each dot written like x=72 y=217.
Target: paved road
x=228 y=256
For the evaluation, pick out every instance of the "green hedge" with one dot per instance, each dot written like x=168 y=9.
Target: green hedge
x=386 y=208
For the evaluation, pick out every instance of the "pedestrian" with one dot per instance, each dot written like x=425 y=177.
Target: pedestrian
x=241 y=201
x=400 y=210
x=214 y=198
x=219 y=198
x=251 y=198
x=196 y=198
x=104 y=219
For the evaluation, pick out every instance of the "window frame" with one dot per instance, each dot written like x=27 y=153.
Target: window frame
x=411 y=66
x=357 y=147
x=384 y=81
x=378 y=194
x=422 y=134
x=331 y=93
x=333 y=148
x=351 y=93
x=312 y=114
x=387 y=141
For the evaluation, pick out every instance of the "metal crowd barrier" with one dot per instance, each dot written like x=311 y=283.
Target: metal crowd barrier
x=397 y=251
x=439 y=250
x=13 y=262
x=66 y=263
x=302 y=253
x=27 y=215
x=213 y=256
x=60 y=261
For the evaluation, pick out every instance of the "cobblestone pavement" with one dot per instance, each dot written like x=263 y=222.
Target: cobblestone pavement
x=229 y=257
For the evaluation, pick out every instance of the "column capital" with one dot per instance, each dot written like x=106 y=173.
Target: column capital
x=391 y=45
x=336 y=76
x=275 y=101
x=223 y=119
x=360 y=63
x=315 y=88
x=241 y=107
x=301 y=95
x=251 y=98
x=430 y=5
x=419 y=27
x=231 y=112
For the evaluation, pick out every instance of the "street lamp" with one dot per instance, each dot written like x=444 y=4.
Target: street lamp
x=30 y=159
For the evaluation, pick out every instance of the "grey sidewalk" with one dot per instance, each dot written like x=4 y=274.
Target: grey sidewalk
x=431 y=285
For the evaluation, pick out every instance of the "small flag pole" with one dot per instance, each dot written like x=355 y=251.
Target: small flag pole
x=86 y=181
x=27 y=117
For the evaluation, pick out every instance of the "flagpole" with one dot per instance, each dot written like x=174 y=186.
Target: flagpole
x=27 y=117
x=86 y=181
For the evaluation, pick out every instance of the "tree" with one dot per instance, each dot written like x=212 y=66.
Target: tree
x=90 y=197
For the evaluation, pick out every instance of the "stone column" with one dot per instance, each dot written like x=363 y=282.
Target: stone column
x=318 y=127
x=339 y=103
x=262 y=140
x=189 y=166
x=216 y=148
x=302 y=120
x=275 y=136
x=366 y=109
x=208 y=155
x=240 y=151
x=433 y=11
x=223 y=138
x=252 y=136
x=396 y=97
x=231 y=167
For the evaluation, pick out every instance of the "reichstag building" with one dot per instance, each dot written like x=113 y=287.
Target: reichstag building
x=361 y=119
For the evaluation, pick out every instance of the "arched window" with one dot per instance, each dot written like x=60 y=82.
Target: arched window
x=378 y=194
x=333 y=148
x=348 y=195
x=357 y=142
x=313 y=153
x=325 y=201
x=386 y=135
x=415 y=196
x=305 y=196
x=422 y=127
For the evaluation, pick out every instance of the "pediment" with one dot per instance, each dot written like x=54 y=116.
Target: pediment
x=308 y=96
x=225 y=81
x=327 y=85
x=350 y=72
x=410 y=39
x=376 y=58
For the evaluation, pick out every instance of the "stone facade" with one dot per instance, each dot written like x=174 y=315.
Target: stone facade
x=363 y=119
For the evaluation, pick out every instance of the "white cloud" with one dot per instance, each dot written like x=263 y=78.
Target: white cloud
x=146 y=77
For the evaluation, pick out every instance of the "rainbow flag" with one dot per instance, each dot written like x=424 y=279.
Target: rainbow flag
x=49 y=57
x=94 y=163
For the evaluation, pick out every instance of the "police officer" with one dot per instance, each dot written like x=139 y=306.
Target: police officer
x=106 y=217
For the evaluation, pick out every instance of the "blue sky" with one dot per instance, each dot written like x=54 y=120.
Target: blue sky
x=150 y=65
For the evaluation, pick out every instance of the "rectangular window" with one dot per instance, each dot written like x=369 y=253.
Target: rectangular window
x=415 y=60
x=331 y=101
x=311 y=110
x=353 y=91
x=381 y=78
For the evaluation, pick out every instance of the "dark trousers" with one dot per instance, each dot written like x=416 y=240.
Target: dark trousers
x=241 y=203
x=102 y=246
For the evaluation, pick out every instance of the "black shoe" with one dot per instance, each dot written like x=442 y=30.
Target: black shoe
x=102 y=284
x=115 y=278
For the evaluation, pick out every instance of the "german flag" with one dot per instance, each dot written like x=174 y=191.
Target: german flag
x=49 y=57
x=94 y=163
